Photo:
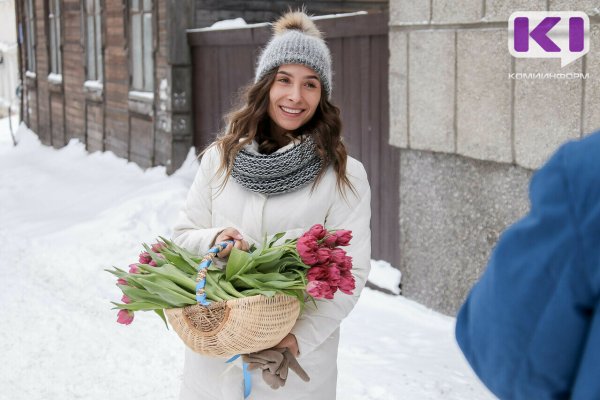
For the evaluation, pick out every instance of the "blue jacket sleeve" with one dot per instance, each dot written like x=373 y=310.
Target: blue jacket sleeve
x=524 y=327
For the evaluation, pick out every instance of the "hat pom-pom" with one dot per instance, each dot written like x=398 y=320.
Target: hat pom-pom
x=296 y=20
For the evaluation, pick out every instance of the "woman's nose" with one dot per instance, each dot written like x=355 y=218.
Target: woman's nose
x=295 y=93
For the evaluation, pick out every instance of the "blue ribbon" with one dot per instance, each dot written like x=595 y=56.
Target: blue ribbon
x=204 y=264
x=247 y=378
x=202 y=300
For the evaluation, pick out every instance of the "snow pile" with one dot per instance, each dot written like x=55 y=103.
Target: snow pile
x=5 y=138
x=66 y=215
x=229 y=23
x=385 y=276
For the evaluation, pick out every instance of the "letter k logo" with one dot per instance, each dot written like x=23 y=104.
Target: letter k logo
x=539 y=34
x=554 y=34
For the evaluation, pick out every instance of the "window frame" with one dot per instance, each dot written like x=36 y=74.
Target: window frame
x=29 y=33
x=55 y=45
x=145 y=87
x=97 y=37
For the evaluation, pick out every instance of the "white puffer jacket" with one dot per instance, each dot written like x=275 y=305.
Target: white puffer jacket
x=207 y=211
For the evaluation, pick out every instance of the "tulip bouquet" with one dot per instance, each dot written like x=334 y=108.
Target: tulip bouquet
x=311 y=266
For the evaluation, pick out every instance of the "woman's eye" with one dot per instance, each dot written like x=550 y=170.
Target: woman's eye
x=284 y=80
x=311 y=85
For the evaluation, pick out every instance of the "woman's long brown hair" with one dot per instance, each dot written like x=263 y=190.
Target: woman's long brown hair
x=250 y=120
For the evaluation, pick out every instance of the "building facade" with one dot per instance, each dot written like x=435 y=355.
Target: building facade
x=116 y=74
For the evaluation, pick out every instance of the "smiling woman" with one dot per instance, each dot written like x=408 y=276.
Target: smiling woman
x=294 y=98
x=290 y=169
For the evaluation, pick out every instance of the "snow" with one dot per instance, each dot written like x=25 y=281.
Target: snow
x=229 y=23
x=384 y=275
x=55 y=78
x=7 y=47
x=340 y=15
x=93 y=85
x=5 y=138
x=67 y=214
x=141 y=96
x=240 y=23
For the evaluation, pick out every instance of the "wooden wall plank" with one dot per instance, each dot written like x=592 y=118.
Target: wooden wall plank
x=57 y=120
x=142 y=141
x=95 y=126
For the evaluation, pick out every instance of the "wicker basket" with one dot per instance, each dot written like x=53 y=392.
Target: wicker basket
x=239 y=326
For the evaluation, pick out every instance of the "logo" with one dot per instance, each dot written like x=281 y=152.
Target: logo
x=540 y=34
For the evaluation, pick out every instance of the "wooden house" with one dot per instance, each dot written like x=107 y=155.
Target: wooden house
x=117 y=74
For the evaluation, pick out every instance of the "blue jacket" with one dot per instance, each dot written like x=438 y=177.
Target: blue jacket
x=530 y=327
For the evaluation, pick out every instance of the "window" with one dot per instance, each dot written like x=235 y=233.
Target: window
x=141 y=45
x=93 y=39
x=30 y=35
x=55 y=37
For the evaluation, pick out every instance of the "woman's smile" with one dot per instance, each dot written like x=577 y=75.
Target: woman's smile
x=291 y=112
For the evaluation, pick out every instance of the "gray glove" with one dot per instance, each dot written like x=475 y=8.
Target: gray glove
x=275 y=364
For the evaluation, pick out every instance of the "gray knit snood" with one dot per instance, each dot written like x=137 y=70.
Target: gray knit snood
x=278 y=173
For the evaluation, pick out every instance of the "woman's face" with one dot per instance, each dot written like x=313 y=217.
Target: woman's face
x=294 y=97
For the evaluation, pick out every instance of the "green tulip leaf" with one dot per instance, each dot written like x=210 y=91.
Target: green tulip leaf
x=161 y=314
x=238 y=261
x=275 y=238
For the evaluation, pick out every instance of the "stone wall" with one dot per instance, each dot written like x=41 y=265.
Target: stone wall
x=470 y=135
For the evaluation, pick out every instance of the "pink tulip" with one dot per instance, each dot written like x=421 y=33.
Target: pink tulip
x=330 y=241
x=318 y=231
x=145 y=258
x=347 y=283
x=317 y=273
x=333 y=275
x=157 y=247
x=319 y=289
x=323 y=254
x=125 y=299
x=347 y=263
x=343 y=237
x=307 y=248
x=125 y=317
x=337 y=255
x=134 y=269
x=152 y=263
x=121 y=281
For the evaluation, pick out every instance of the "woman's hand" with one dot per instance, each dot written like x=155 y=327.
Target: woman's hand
x=290 y=342
x=231 y=234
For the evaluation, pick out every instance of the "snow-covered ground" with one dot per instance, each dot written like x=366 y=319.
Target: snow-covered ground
x=65 y=215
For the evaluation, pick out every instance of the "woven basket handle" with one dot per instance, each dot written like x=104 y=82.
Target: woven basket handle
x=204 y=264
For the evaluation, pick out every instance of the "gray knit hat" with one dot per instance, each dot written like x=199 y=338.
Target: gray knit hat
x=296 y=40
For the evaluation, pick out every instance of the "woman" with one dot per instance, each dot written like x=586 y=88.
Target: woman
x=289 y=171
